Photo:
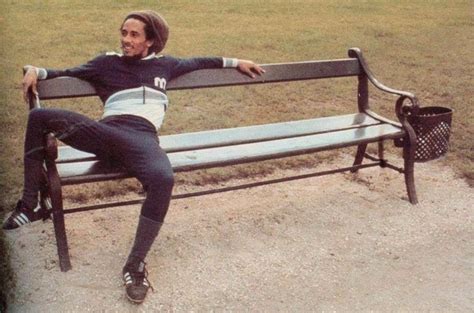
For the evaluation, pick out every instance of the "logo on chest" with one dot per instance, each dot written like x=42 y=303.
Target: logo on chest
x=160 y=83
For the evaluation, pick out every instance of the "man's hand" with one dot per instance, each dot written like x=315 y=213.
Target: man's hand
x=249 y=68
x=29 y=81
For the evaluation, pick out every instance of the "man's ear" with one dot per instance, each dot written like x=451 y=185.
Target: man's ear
x=149 y=43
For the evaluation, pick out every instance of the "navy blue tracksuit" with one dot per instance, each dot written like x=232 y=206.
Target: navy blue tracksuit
x=126 y=138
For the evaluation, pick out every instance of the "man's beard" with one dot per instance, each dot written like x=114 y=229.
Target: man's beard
x=130 y=58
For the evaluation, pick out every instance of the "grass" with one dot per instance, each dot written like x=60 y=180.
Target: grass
x=421 y=46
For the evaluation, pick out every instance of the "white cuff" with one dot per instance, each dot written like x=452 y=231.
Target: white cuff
x=230 y=62
x=40 y=72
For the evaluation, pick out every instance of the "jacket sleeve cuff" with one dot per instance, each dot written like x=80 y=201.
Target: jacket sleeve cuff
x=230 y=62
x=40 y=72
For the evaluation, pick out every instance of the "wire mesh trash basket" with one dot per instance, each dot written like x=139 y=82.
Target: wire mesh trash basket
x=432 y=126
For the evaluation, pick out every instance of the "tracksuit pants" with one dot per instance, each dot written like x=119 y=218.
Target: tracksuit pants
x=126 y=140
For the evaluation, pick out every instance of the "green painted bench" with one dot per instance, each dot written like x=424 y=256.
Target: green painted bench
x=223 y=147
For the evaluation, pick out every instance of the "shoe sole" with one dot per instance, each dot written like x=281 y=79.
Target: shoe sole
x=131 y=299
x=135 y=301
x=24 y=226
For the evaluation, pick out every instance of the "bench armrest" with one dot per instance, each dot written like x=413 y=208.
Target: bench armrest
x=402 y=109
x=357 y=53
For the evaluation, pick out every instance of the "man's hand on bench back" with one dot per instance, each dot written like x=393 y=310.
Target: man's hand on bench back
x=250 y=68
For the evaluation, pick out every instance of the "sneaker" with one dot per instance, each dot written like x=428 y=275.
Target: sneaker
x=22 y=216
x=136 y=281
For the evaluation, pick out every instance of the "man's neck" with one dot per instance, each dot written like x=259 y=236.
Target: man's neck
x=135 y=58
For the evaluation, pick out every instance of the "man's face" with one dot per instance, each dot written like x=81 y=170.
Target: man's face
x=133 y=39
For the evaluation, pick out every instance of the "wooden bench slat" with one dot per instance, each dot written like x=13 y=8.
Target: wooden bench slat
x=239 y=135
x=187 y=160
x=70 y=87
x=205 y=158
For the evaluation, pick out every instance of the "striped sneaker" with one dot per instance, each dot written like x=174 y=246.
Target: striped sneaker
x=22 y=216
x=135 y=280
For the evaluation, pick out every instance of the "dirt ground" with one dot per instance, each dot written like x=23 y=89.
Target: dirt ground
x=345 y=243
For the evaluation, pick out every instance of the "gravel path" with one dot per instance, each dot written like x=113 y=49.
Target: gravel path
x=346 y=242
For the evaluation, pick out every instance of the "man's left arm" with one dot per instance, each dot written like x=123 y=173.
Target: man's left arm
x=188 y=65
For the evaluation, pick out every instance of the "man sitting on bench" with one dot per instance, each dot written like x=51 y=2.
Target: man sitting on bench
x=132 y=86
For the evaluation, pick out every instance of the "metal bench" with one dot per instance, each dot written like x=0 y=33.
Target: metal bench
x=222 y=147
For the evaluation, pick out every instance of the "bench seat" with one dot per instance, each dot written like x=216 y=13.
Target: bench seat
x=205 y=149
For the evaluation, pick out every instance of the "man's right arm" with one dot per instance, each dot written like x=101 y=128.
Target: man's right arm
x=88 y=71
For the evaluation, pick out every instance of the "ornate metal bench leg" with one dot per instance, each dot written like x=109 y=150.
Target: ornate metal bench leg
x=408 y=142
x=409 y=171
x=58 y=215
x=359 y=156
x=58 y=221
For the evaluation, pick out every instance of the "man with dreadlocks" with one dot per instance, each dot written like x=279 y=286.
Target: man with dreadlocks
x=132 y=86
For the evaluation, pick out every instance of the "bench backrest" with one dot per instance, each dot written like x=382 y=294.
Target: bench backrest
x=69 y=87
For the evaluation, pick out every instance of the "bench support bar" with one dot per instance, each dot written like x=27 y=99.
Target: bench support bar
x=225 y=189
